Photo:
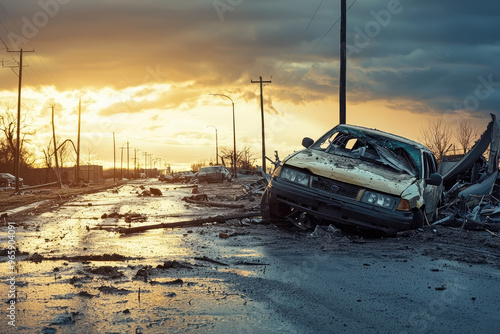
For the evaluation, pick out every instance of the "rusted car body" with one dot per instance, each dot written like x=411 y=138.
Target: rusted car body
x=357 y=177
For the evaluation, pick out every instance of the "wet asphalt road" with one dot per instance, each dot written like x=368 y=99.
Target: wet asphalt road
x=268 y=279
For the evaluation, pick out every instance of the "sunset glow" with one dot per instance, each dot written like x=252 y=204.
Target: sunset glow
x=145 y=71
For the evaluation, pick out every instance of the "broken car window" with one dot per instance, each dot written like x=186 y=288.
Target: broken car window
x=359 y=145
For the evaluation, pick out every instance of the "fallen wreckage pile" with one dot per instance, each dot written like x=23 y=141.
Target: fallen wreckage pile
x=472 y=185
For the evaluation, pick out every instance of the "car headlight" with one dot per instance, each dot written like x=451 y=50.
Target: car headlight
x=295 y=176
x=378 y=199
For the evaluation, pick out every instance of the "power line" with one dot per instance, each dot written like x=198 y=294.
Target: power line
x=331 y=28
x=295 y=49
x=39 y=58
x=6 y=47
x=314 y=15
x=310 y=50
x=10 y=18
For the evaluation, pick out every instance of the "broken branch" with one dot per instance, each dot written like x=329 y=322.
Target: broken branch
x=215 y=204
x=189 y=223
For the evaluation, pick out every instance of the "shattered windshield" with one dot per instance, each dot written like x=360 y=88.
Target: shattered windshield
x=379 y=149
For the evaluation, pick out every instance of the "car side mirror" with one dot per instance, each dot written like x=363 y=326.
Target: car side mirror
x=434 y=179
x=307 y=142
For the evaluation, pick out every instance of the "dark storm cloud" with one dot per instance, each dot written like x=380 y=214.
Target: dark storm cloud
x=433 y=53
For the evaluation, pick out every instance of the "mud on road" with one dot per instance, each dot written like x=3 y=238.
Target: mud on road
x=77 y=274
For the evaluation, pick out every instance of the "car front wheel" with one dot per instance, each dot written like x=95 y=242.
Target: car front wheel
x=418 y=219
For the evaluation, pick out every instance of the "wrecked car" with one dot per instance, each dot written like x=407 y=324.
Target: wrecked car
x=9 y=180
x=356 y=177
x=213 y=174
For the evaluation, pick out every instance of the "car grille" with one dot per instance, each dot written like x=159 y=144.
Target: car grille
x=335 y=187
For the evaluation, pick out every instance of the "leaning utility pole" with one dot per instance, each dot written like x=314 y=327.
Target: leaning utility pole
x=343 y=43
x=18 y=141
x=58 y=175
x=77 y=171
x=262 y=116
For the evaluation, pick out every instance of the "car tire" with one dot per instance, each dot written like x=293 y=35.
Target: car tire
x=418 y=219
x=264 y=206
x=279 y=210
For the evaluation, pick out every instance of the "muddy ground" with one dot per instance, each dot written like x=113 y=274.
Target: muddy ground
x=53 y=194
x=77 y=274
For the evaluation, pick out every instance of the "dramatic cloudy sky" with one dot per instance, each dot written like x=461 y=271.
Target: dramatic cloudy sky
x=145 y=69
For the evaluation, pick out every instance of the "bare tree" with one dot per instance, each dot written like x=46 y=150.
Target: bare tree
x=196 y=166
x=465 y=134
x=48 y=152
x=245 y=157
x=90 y=153
x=437 y=137
x=8 y=126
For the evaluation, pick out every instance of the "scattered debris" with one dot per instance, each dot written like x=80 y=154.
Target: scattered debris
x=85 y=294
x=65 y=318
x=111 y=290
x=473 y=183
x=155 y=191
x=206 y=259
x=129 y=217
x=37 y=258
x=174 y=282
x=135 y=217
x=173 y=265
x=109 y=271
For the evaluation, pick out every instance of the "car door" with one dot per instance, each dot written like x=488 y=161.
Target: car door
x=432 y=194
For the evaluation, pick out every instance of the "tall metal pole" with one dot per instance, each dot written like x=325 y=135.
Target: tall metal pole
x=55 y=148
x=263 y=127
x=17 y=154
x=114 y=158
x=234 y=135
x=216 y=145
x=234 y=144
x=343 y=43
x=18 y=142
x=216 y=148
x=77 y=176
x=128 y=161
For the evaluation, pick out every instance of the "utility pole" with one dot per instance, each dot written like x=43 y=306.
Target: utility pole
x=18 y=134
x=136 y=164
x=343 y=43
x=128 y=160
x=77 y=171
x=55 y=149
x=114 y=158
x=216 y=145
x=121 y=161
x=262 y=116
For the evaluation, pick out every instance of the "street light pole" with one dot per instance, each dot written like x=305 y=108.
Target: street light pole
x=234 y=134
x=343 y=65
x=216 y=145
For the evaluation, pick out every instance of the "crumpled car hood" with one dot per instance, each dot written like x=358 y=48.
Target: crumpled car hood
x=354 y=171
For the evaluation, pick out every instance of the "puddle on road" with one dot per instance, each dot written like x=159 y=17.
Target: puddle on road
x=99 y=297
x=68 y=230
x=97 y=304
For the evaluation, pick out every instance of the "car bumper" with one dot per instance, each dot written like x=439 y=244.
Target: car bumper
x=337 y=208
